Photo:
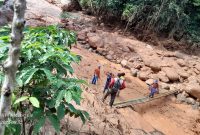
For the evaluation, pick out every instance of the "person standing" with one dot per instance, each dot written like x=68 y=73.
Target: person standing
x=154 y=88
x=108 y=80
x=96 y=75
x=115 y=85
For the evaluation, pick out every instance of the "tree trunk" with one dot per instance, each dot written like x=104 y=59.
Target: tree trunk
x=11 y=64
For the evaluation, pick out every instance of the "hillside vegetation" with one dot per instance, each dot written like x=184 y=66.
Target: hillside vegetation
x=177 y=19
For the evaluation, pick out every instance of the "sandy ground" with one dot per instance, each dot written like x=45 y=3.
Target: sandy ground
x=163 y=114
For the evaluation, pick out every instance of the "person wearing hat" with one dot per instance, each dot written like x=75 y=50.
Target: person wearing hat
x=96 y=75
x=153 y=88
x=115 y=85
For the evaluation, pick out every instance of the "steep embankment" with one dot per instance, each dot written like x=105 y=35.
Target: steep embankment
x=163 y=116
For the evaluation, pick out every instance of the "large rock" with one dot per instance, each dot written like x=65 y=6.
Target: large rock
x=181 y=62
x=82 y=36
x=149 y=81
x=171 y=73
x=111 y=52
x=109 y=57
x=95 y=42
x=162 y=77
x=190 y=100
x=124 y=63
x=155 y=66
x=197 y=66
x=134 y=72
x=154 y=62
x=182 y=73
x=181 y=97
x=165 y=86
x=193 y=80
x=194 y=90
x=143 y=75
x=125 y=49
x=179 y=54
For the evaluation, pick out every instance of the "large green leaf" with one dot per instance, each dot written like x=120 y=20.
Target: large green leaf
x=68 y=96
x=61 y=111
x=21 y=99
x=48 y=74
x=34 y=101
x=59 y=98
x=27 y=76
x=39 y=124
x=14 y=129
x=55 y=122
x=37 y=113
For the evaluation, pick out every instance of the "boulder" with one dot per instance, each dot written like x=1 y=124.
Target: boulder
x=194 y=90
x=125 y=49
x=197 y=66
x=134 y=72
x=182 y=73
x=109 y=57
x=181 y=62
x=111 y=52
x=155 y=66
x=190 y=100
x=193 y=80
x=100 y=51
x=165 y=86
x=81 y=36
x=137 y=66
x=179 y=54
x=162 y=77
x=171 y=73
x=145 y=69
x=95 y=42
x=143 y=75
x=149 y=81
x=181 y=97
x=154 y=62
x=124 y=63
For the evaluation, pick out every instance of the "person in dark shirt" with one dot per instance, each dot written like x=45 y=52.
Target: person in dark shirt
x=115 y=85
x=108 y=80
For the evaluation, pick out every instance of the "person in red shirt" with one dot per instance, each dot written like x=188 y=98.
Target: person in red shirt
x=115 y=85
x=96 y=75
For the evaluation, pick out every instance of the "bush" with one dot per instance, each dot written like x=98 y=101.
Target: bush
x=44 y=86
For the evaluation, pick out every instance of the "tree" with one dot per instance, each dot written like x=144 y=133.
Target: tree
x=44 y=83
x=11 y=64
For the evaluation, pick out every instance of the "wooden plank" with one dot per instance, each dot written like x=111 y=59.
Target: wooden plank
x=143 y=99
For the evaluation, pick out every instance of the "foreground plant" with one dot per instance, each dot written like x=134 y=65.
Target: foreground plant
x=45 y=88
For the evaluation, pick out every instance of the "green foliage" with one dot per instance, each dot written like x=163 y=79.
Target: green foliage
x=85 y=3
x=128 y=11
x=169 y=18
x=43 y=93
x=1 y=3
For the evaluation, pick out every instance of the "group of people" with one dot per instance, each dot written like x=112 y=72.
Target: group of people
x=113 y=85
